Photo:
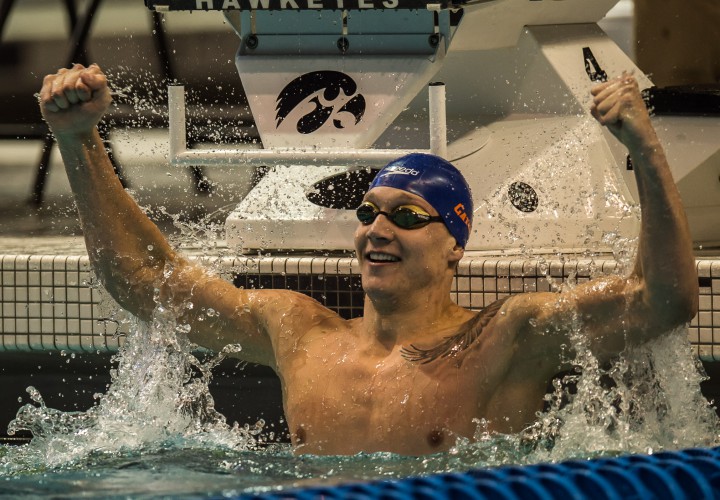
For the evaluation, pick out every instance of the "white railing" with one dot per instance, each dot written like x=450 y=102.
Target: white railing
x=180 y=155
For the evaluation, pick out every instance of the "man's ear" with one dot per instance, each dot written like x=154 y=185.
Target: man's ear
x=456 y=253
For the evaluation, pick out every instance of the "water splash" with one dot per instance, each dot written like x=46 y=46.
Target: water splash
x=646 y=401
x=159 y=395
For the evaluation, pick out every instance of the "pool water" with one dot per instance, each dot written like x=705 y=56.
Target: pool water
x=171 y=470
x=188 y=470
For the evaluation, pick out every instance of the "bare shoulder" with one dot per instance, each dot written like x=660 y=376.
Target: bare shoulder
x=287 y=309
x=524 y=309
x=543 y=322
x=294 y=320
x=535 y=323
x=263 y=322
x=599 y=296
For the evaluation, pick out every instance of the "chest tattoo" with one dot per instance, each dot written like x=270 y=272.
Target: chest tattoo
x=453 y=344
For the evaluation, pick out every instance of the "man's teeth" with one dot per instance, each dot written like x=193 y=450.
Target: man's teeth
x=383 y=257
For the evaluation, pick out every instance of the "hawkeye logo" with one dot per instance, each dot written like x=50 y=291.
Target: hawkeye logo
x=328 y=95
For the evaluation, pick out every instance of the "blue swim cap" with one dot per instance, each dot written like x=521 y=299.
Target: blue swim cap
x=436 y=181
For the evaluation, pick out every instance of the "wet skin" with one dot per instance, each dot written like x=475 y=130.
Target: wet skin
x=346 y=393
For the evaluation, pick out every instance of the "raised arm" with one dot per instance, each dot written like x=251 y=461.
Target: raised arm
x=125 y=248
x=129 y=253
x=661 y=292
x=665 y=265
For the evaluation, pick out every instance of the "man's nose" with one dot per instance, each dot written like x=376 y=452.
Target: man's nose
x=381 y=228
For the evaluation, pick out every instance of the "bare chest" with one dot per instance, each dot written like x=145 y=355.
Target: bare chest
x=349 y=402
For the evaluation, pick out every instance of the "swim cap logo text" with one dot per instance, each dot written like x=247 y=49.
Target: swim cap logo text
x=399 y=169
x=460 y=211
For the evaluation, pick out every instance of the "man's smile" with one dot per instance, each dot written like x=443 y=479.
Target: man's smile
x=381 y=257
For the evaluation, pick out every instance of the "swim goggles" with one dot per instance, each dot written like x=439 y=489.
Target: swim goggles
x=403 y=216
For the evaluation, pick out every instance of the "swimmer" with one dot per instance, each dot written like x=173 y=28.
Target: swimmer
x=416 y=371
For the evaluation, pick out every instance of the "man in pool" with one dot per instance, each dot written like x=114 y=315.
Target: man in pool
x=416 y=371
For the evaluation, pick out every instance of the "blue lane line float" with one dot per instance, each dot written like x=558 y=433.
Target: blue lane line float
x=687 y=474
